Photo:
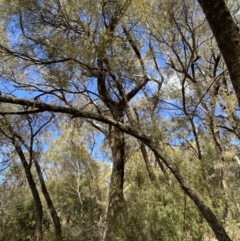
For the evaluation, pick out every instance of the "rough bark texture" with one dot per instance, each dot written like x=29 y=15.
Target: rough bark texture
x=227 y=36
x=117 y=144
x=116 y=199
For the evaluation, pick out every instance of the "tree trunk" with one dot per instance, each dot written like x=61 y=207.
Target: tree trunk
x=34 y=191
x=116 y=199
x=227 y=36
x=51 y=208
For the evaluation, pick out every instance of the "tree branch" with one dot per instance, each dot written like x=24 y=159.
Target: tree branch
x=188 y=189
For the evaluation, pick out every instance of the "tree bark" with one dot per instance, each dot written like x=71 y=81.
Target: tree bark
x=116 y=198
x=34 y=191
x=117 y=144
x=227 y=35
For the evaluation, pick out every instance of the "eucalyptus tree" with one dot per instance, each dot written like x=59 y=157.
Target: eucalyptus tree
x=78 y=183
x=80 y=48
x=8 y=132
x=23 y=133
x=68 y=57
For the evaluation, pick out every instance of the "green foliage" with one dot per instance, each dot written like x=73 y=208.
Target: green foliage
x=24 y=222
x=77 y=185
x=88 y=56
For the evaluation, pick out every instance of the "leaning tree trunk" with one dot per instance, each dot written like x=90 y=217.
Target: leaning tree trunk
x=227 y=36
x=51 y=208
x=207 y=213
x=34 y=191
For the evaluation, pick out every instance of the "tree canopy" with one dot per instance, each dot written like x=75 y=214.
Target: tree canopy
x=122 y=117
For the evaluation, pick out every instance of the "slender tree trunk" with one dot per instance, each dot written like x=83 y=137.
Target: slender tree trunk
x=34 y=191
x=51 y=208
x=227 y=36
x=151 y=173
